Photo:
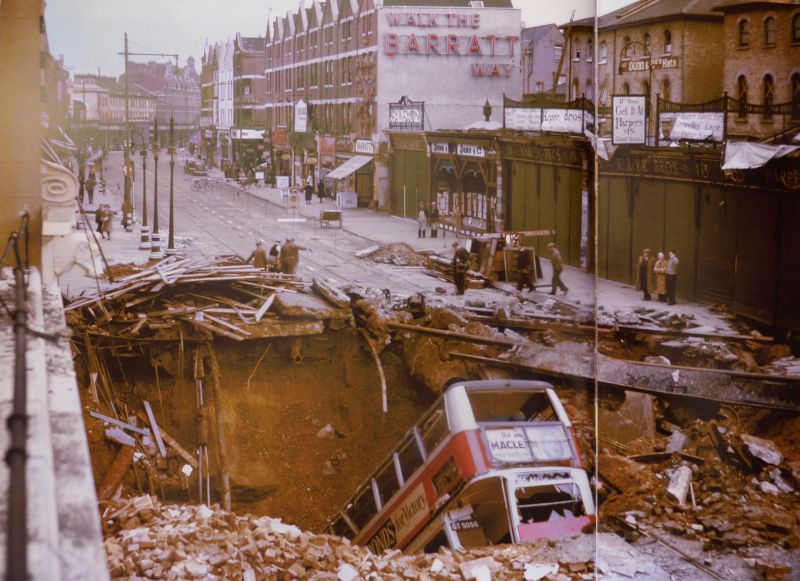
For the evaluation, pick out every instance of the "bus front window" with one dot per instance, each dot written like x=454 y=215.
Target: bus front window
x=482 y=518
x=548 y=503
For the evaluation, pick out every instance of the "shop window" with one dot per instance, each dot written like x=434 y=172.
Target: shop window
x=668 y=41
x=770 y=31
x=796 y=96
x=769 y=96
x=744 y=34
x=474 y=188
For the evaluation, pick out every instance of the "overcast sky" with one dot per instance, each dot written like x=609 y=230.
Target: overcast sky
x=89 y=33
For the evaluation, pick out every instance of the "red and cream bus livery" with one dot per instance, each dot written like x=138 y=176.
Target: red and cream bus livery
x=490 y=462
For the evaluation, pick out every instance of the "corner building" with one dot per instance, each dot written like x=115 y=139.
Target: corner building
x=349 y=60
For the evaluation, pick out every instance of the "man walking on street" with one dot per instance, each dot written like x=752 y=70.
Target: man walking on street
x=259 y=256
x=460 y=267
x=672 y=276
x=525 y=267
x=91 y=181
x=321 y=190
x=558 y=267
x=290 y=256
x=644 y=274
x=434 y=220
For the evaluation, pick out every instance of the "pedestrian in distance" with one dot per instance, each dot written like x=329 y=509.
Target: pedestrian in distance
x=108 y=220
x=321 y=190
x=644 y=273
x=422 y=221
x=259 y=256
x=434 y=220
x=98 y=216
x=81 y=183
x=309 y=191
x=660 y=276
x=672 y=276
x=91 y=182
x=274 y=254
x=460 y=267
x=558 y=268
x=525 y=267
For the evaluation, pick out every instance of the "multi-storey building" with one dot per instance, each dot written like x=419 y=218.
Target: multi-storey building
x=208 y=88
x=177 y=92
x=762 y=66
x=99 y=108
x=249 y=116
x=350 y=60
x=542 y=47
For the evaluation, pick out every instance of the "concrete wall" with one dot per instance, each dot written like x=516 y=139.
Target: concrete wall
x=20 y=114
x=453 y=94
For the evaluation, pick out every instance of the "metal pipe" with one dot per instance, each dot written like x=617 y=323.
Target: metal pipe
x=16 y=457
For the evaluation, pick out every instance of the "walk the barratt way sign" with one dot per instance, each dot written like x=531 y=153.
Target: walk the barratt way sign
x=629 y=119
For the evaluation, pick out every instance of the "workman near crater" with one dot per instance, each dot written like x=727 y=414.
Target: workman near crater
x=259 y=256
x=460 y=267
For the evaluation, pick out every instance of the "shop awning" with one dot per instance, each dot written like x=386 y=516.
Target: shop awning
x=244 y=134
x=749 y=155
x=351 y=165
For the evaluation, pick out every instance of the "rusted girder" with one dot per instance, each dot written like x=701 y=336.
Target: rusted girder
x=763 y=391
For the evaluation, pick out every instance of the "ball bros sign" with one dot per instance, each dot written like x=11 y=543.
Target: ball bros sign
x=451 y=35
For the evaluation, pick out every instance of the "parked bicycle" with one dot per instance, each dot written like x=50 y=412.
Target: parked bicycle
x=202 y=184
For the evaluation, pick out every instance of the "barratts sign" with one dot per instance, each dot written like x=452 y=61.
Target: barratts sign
x=629 y=119
x=407 y=115
x=509 y=445
x=402 y=521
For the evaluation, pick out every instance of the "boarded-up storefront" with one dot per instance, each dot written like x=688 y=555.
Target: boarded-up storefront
x=736 y=235
x=409 y=174
x=544 y=192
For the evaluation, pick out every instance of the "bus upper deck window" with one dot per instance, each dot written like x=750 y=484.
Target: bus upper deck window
x=387 y=482
x=340 y=528
x=511 y=406
x=434 y=429
x=410 y=457
x=363 y=507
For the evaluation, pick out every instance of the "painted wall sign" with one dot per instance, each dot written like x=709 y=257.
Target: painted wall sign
x=403 y=519
x=523 y=118
x=469 y=150
x=432 y=19
x=692 y=126
x=629 y=115
x=509 y=445
x=440 y=147
x=301 y=116
x=365 y=146
x=566 y=120
x=654 y=64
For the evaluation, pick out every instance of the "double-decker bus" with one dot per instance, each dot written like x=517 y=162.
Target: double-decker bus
x=490 y=462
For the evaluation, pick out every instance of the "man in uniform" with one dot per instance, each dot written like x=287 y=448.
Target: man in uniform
x=460 y=267
x=259 y=256
x=525 y=267
x=558 y=267
x=290 y=256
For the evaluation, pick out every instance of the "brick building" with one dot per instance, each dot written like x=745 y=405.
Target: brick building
x=349 y=60
x=762 y=66
x=541 y=52
x=578 y=65
x=669 y=48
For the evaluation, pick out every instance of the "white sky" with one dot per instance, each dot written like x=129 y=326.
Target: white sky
x=89 y=33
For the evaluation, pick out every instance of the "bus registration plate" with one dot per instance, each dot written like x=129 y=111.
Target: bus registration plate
x=509 y=445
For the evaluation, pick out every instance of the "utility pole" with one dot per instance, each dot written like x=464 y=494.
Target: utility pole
x=127 y=206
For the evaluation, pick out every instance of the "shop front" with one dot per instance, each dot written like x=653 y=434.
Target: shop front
x=355 y=170
x=281 y=152
x=409 y=173
x=209 y=145
x=248 y=147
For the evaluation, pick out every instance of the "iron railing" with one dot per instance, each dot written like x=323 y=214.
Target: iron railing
x=16 y=456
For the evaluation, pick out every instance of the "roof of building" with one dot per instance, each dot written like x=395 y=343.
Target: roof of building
x=448 y=3
x=537 y=33
x=646 y=11
x=743 y=5
x=251 y=43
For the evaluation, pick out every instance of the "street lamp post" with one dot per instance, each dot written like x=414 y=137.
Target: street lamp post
x=155 y=237
x=144 y=241
x=171 y=246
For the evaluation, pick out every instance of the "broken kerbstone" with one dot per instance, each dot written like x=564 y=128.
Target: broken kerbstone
x=679 y=481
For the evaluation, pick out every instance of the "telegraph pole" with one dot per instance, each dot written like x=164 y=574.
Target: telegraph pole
x=127 y=206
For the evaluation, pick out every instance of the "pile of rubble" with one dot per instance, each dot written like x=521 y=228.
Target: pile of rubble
x=154 y=541
x=398 y=254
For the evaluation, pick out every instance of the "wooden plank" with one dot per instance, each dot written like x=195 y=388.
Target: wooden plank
x=213 y=329
x=156 y=431
x=222 y=300
x=265 y=307
x=162 y=275
x=452 y=335
x=231 y=326
x=180 y=450
x=119 y=423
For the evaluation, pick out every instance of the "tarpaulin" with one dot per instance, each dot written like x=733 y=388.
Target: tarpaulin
x=750 y=155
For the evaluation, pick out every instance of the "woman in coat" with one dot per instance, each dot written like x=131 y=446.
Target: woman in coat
x=660 y=272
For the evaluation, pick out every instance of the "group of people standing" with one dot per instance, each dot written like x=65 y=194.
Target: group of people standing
x=428 y=217
x=104 y=217
x=657 y=275
x=281 y=257
x=308 y=189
